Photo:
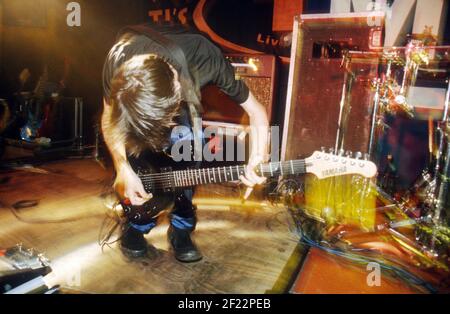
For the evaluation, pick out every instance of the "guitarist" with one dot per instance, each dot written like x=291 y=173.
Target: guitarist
x=146 y=83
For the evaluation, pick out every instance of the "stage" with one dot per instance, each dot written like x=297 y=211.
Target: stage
x=247 y=248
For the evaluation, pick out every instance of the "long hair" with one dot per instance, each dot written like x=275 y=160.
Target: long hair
x=145 y=99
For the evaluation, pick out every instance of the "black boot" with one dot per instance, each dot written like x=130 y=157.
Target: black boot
x=132 y=242
x=185 y=250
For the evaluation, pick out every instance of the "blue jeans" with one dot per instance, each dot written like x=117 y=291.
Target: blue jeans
x=182 y=216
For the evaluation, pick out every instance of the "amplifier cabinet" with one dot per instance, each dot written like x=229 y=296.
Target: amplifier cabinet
x=225 y=117
x=316 y=80
x=259 y=74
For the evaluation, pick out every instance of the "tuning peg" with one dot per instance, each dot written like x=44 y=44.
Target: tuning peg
x=367 y=156
x=348 y=154
x=341 y=152
x=331 y=151
x=323 y=149
x=358 y=155
x=334 y=153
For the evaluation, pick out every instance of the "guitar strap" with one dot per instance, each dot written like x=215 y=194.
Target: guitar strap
x=190 y=94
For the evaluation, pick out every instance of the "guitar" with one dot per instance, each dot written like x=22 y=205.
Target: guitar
x=167 y=182
x=30 y=131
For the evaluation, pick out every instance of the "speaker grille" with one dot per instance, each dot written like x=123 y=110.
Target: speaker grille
x=218 y=107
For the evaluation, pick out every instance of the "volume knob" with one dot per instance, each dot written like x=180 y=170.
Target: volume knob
x=137 y=216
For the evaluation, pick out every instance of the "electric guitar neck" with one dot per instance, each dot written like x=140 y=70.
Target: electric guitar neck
x=322 y=165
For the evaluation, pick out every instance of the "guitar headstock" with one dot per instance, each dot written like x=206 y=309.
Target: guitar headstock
x=326 y=165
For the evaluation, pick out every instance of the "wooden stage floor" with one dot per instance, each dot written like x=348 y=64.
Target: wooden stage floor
x=247 y=248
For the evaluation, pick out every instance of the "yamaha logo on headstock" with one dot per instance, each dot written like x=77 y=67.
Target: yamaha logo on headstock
x=325 y=165
x=334 y=171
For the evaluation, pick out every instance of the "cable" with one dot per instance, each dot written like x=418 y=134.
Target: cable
x=14 y=209
x=357 y=258
x=401 y=273
x=117 y=221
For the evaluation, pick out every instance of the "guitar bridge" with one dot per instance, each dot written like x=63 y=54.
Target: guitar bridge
x=169 y=184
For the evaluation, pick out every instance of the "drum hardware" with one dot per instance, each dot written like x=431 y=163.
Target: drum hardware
x=431 y=241
x=344 y=106
x=386 y=99
x=416 y=56
x=430 y=192
x=390 y=97
x=427 y=197
x=442 y=167
x=389 y=178
x=443 y=190
x=375 y=120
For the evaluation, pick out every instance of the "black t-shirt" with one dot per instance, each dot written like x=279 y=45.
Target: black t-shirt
x=206 y=62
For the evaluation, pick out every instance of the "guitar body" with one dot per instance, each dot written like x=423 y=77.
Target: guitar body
x=30 y=131
x=150 y=163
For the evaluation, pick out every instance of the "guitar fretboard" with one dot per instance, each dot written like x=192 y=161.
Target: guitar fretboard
x=193 y=177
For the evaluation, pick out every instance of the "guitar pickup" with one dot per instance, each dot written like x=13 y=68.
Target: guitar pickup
x=169 y=187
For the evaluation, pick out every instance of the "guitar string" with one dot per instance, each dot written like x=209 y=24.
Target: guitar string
x=184 y=182
x=189 y=175
x=168 y=179
x=212 y=171
x=266 y=168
